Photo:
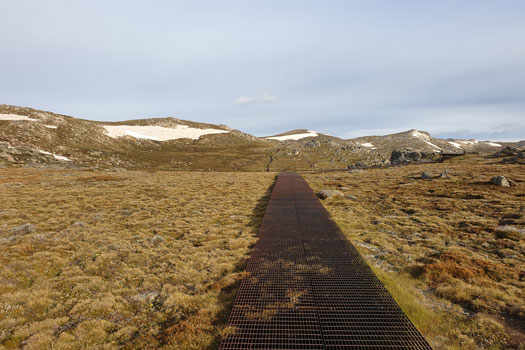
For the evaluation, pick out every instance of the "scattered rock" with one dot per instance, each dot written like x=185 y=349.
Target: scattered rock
x=510 y=155
x=507 y=151
x=323 y=194
x=444 y=174
x=313 y=144
x=356 y=165
x=23 y=229
x=426 y=176
x=349 y=196
x=79 y=224
x=148 y=297
x=157 y=239
x=500 y=181
x=509 y=232
x=408 y=211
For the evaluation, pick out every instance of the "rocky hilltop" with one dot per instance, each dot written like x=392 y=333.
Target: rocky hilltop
x=30 y=137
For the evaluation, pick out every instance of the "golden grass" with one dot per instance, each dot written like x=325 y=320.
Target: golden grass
x=440 y=247
x=123 y=260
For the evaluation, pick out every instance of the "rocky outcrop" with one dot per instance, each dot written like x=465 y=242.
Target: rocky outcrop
x=500 y=181
x=510 y=155
x=407 y=156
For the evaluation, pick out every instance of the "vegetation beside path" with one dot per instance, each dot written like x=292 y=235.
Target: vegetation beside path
x=140 y=260
x=450 y=249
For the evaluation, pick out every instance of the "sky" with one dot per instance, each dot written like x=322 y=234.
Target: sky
x=346 y=68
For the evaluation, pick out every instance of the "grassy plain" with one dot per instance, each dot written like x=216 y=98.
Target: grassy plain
x=450 y=250
x=124 y=259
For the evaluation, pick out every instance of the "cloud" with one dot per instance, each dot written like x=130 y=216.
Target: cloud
x=469 y=80
x=243 y=100
x=265 y=98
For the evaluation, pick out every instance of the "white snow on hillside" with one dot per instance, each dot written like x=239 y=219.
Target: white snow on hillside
x=425 y=138
x=459 y=143
x=432 y=145
x=420 y=135
x=294 y=137
x=469 y=142
x=57 y=157
x=51 y=126
x=159 y=133
x=368 y=144
x=16 y=117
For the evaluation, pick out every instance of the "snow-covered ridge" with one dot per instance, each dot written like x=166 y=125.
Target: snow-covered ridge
x=159 y=133
x=294 y=137
x=15 y=117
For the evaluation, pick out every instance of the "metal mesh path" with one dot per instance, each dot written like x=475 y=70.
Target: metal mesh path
x=308 y=287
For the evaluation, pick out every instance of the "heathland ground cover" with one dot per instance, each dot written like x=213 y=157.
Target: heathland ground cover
x=138 y=259
x=450 y=249
x=122 y=260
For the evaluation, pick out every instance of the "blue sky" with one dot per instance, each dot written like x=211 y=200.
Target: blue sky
x=347 y=68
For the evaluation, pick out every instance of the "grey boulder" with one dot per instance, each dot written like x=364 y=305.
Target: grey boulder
x=500 y=181
x=323 y=194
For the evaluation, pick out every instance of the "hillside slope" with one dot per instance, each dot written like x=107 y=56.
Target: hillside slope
x=35 y=138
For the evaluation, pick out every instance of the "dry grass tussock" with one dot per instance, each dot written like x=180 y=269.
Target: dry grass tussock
x=451 y=250
x=123 y=260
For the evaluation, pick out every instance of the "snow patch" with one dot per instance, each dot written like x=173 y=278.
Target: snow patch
x=493 y=144
x=51 y=126
x=57 y=157
x=368 y=144
x=425 y=138
x=294 y=137
x=420 y=135
x=432 y=145
x=159 y=133
x=16 y=117
x=469 y=142
x=455 y=144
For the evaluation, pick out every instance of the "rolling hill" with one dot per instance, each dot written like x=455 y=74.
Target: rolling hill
x=35 y=138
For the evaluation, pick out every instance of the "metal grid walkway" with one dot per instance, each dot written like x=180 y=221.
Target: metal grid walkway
x=308 y=287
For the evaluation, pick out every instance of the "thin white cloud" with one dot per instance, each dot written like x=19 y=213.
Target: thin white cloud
x=243 y=100
x=265 y=98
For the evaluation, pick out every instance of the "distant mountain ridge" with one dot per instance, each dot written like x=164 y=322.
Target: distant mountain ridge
x=416 y=139
x=31 y=137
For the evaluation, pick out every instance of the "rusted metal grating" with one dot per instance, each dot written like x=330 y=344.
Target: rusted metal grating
x=308 y=287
